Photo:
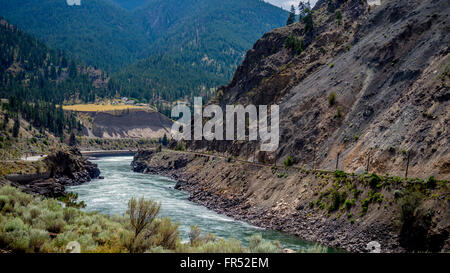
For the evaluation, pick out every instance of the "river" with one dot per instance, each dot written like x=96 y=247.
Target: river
x=111 y=195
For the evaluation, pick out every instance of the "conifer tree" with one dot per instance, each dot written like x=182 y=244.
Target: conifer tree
x=16 y=126
x=291 y=18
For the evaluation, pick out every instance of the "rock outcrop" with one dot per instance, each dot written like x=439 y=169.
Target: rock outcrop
x=63 y=168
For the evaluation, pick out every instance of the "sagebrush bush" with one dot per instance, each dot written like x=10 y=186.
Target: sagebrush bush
x=259 y=245
x=222 y=246
x=4 y=200
x=37 y=239
x=164 y=233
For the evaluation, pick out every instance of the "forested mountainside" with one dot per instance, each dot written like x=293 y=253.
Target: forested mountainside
x=200 y=44
x=98 y=32
x=197 y=42
x=367 y=84
x=35 y=78
x=129 y=4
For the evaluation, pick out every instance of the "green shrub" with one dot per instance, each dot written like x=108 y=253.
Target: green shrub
x=340 y=174
x=294 y=44
x=339 y=111
x=14 y=235
x=431 y=183
x=289 y=161
x=165 y=234
x=332 y=98
x=365 y=205
x=374 y=181
x=70 y=199
x=408 y=205
x=348 y=204
x=222 y=246
x=258 y=245
x=194 y=235
x=338 y=14
x=181 y=146
x=4 y=201
x=37 y=239
x=337 y=199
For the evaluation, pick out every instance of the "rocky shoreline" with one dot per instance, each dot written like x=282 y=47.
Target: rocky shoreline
x=63 y=168
x=299 y=219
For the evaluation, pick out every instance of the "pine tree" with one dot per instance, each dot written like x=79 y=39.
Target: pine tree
x=164 y=140
x=5 y=121
x=16 y=126
x=73 y=70
x=307 y=17
x=301 y=10
x=291 y=18
x=72 y=140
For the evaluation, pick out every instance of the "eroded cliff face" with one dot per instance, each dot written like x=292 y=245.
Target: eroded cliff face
x=334 y=208
x=128 y=124
x=388 y=67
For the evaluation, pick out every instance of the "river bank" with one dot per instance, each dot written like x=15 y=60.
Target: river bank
x=338 y=210
x=49 y=177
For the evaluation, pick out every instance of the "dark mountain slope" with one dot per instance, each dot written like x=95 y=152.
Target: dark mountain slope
x=129 y=4
x=32 y=71
x=98 y=32
x=35 y=78
x=197 y=42
x=373 y=83
x=199 y=46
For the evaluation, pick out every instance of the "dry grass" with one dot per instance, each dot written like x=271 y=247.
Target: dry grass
x=21 y=167
x=100 y=107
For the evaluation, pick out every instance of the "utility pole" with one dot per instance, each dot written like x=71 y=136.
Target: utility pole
x=247 y=152
x=368 y=161
x=407 y=163
x=337 y=160
x=254 y=152
x=314 y=158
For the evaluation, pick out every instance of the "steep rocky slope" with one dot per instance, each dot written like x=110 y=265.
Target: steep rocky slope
x=388 y=69
x=334 y=208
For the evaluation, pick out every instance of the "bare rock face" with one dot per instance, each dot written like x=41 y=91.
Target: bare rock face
x=129 y=124
x=386 y=66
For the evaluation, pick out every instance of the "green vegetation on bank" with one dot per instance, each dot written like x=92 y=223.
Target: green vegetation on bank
x=34 y=224
x=345 y=193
